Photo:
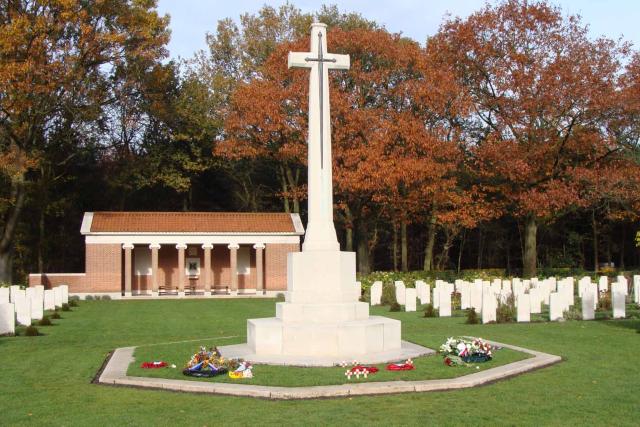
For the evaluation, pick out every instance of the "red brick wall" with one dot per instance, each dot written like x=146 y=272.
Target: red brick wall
x=275 y=268
x=104 y=268
x=75 y=282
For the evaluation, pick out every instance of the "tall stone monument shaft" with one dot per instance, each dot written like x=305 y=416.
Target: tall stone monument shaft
x=321 y=233
x=322 y=321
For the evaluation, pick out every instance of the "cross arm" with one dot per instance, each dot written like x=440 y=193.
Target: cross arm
x=338 y=62
x=298 y=60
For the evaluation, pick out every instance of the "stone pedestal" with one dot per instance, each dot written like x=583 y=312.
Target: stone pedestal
x=321 y=322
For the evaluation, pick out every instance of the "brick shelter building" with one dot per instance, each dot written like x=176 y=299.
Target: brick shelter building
x=182 y=253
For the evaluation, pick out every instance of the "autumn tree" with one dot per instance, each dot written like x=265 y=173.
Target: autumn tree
x=540 y=90
x=58 y=61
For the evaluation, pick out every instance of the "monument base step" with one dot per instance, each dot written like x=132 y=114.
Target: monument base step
x=405 y=351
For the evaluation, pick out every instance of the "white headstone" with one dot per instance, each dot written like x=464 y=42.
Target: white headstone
x=588 y=311
x=488 y=306
x=636 y=289
x=37 y=304
x=57 y=296
x=524 y=308
x=444 y=296
x=465 y=295
x=4 y=296
x=39 y=290
x=424 y=292
x=49 y=300
x=553 y=284
x=593 y=289
x=556 y=306
x=583 y=283
x=12 y=290
x=624 y=284
x=410 y=299
x=400 y=292
x=475 y=296
x=376 y=293
x=603 y=283
x=23 y=308
x=545 y=291
x=535 y=298
x=618 y=300
x=506 y=286
x=436 y=294
x=7 y=319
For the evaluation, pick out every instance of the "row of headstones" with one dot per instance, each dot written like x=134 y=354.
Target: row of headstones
x=22 y=306
x=483 y=296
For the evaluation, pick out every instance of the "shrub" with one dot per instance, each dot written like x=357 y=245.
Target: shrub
x=31 y=331
x=456 y=301
x=604 y=302
x=65 y=307
x=388 y=294
x=105 y=298
x=280 y=297
x=73 y=303
x=429 y=311
x=506 y=311
x=55 y=315
x=573 y=313
x=74 y=298
x=88 y=298
x=395 y=307
x=45 y=321
x=472 y=317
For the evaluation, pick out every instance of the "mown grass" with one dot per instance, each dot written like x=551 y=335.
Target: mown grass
x=46 y=380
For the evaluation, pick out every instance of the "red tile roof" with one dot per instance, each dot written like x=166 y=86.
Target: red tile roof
x=191 y=222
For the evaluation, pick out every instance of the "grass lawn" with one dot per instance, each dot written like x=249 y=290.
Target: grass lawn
x=46 y=380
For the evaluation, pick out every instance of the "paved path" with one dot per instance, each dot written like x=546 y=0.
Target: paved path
x=115 y=372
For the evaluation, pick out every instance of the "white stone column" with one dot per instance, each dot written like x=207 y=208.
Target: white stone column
x=181 y=275
x=128 y=247
x=207 y=274
x=154 y=268
x=259 y=247
x=233 y=266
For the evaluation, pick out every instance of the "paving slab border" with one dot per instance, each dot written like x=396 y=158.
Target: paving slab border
x=115 y=373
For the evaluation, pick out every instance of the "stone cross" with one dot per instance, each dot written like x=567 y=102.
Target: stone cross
x=321 y=233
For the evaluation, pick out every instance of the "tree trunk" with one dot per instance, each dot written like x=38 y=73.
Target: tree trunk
x=395 y=247
x=362 y=250
x=293 y=183
x=530 y=255
x=41 y=231
x=464 y=235
x=431 y=240
x=18 y=193
x=283 y=182
x=348 y=229
x=622 y=239
x=404 y=249
x=480 y=249
x=594 y=228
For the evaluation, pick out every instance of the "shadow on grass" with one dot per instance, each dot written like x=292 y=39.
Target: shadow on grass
x=624 y=323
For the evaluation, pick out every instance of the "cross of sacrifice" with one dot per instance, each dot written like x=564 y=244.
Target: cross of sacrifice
x=316 y=59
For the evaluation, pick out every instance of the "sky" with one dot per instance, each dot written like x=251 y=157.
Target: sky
x=418 y=19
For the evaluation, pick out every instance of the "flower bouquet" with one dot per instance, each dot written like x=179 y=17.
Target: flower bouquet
x=457 y=351
x=208 y=363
